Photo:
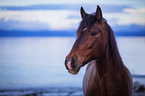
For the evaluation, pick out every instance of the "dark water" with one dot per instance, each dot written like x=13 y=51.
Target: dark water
x=36 y=65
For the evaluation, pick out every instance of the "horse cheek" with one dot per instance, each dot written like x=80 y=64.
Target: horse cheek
x=98 y=49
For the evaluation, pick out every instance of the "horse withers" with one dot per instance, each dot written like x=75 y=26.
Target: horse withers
x=106 y=75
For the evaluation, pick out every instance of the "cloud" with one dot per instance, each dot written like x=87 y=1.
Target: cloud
x=125 y=18
x=60 y=19
x=65 y=16
x=47 y=20
x=89 y=7
x=34 y=2
x=133 y=10
x=19 y=25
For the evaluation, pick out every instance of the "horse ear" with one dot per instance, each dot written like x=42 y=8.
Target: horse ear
x=83 y=13
x=98 y=13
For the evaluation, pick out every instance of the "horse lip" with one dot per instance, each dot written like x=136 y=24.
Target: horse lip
x=73 y=71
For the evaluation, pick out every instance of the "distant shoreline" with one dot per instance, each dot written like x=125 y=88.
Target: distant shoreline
x=55 y=33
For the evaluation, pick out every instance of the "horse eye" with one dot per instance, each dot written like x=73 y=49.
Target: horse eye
x=93 y=33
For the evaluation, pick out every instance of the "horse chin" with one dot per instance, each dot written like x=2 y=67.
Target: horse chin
x=74 y=71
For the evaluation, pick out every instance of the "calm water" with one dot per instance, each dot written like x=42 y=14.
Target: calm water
x=39 y=61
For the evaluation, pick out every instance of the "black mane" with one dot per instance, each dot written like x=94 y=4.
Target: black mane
x=118 y=63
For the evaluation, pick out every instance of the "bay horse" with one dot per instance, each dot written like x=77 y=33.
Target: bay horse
x=106 y=75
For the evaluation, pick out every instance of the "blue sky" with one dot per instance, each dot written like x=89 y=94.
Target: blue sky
x=65 y=14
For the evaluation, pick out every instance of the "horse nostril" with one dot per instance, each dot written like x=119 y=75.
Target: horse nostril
x=70 y=64
x=65 y=63
x=73 y=63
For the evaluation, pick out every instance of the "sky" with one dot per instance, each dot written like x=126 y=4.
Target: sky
x=34 y=15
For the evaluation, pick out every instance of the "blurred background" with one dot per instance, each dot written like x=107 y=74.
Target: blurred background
x=36 y=36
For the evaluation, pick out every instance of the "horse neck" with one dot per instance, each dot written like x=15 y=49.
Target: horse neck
x=111 y=61
x=107 y=65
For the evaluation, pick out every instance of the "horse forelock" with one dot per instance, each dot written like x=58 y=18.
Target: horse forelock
x=86 y=23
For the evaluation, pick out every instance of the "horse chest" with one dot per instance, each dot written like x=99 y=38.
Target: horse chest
x=92 y=86
x=105 y=86
x=95 y=87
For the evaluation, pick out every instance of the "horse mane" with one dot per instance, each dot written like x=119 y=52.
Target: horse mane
x=117 y=60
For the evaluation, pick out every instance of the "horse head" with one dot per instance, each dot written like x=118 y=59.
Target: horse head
x=90 y=43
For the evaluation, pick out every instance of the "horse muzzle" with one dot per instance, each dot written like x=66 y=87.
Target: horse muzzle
x=71 y=66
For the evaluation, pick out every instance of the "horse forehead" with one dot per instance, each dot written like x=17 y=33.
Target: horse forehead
x=95 y=27
x=98 y=25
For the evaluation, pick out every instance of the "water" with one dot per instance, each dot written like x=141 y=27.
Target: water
x=38 y=62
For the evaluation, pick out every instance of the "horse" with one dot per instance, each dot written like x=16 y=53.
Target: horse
x=95 y=45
